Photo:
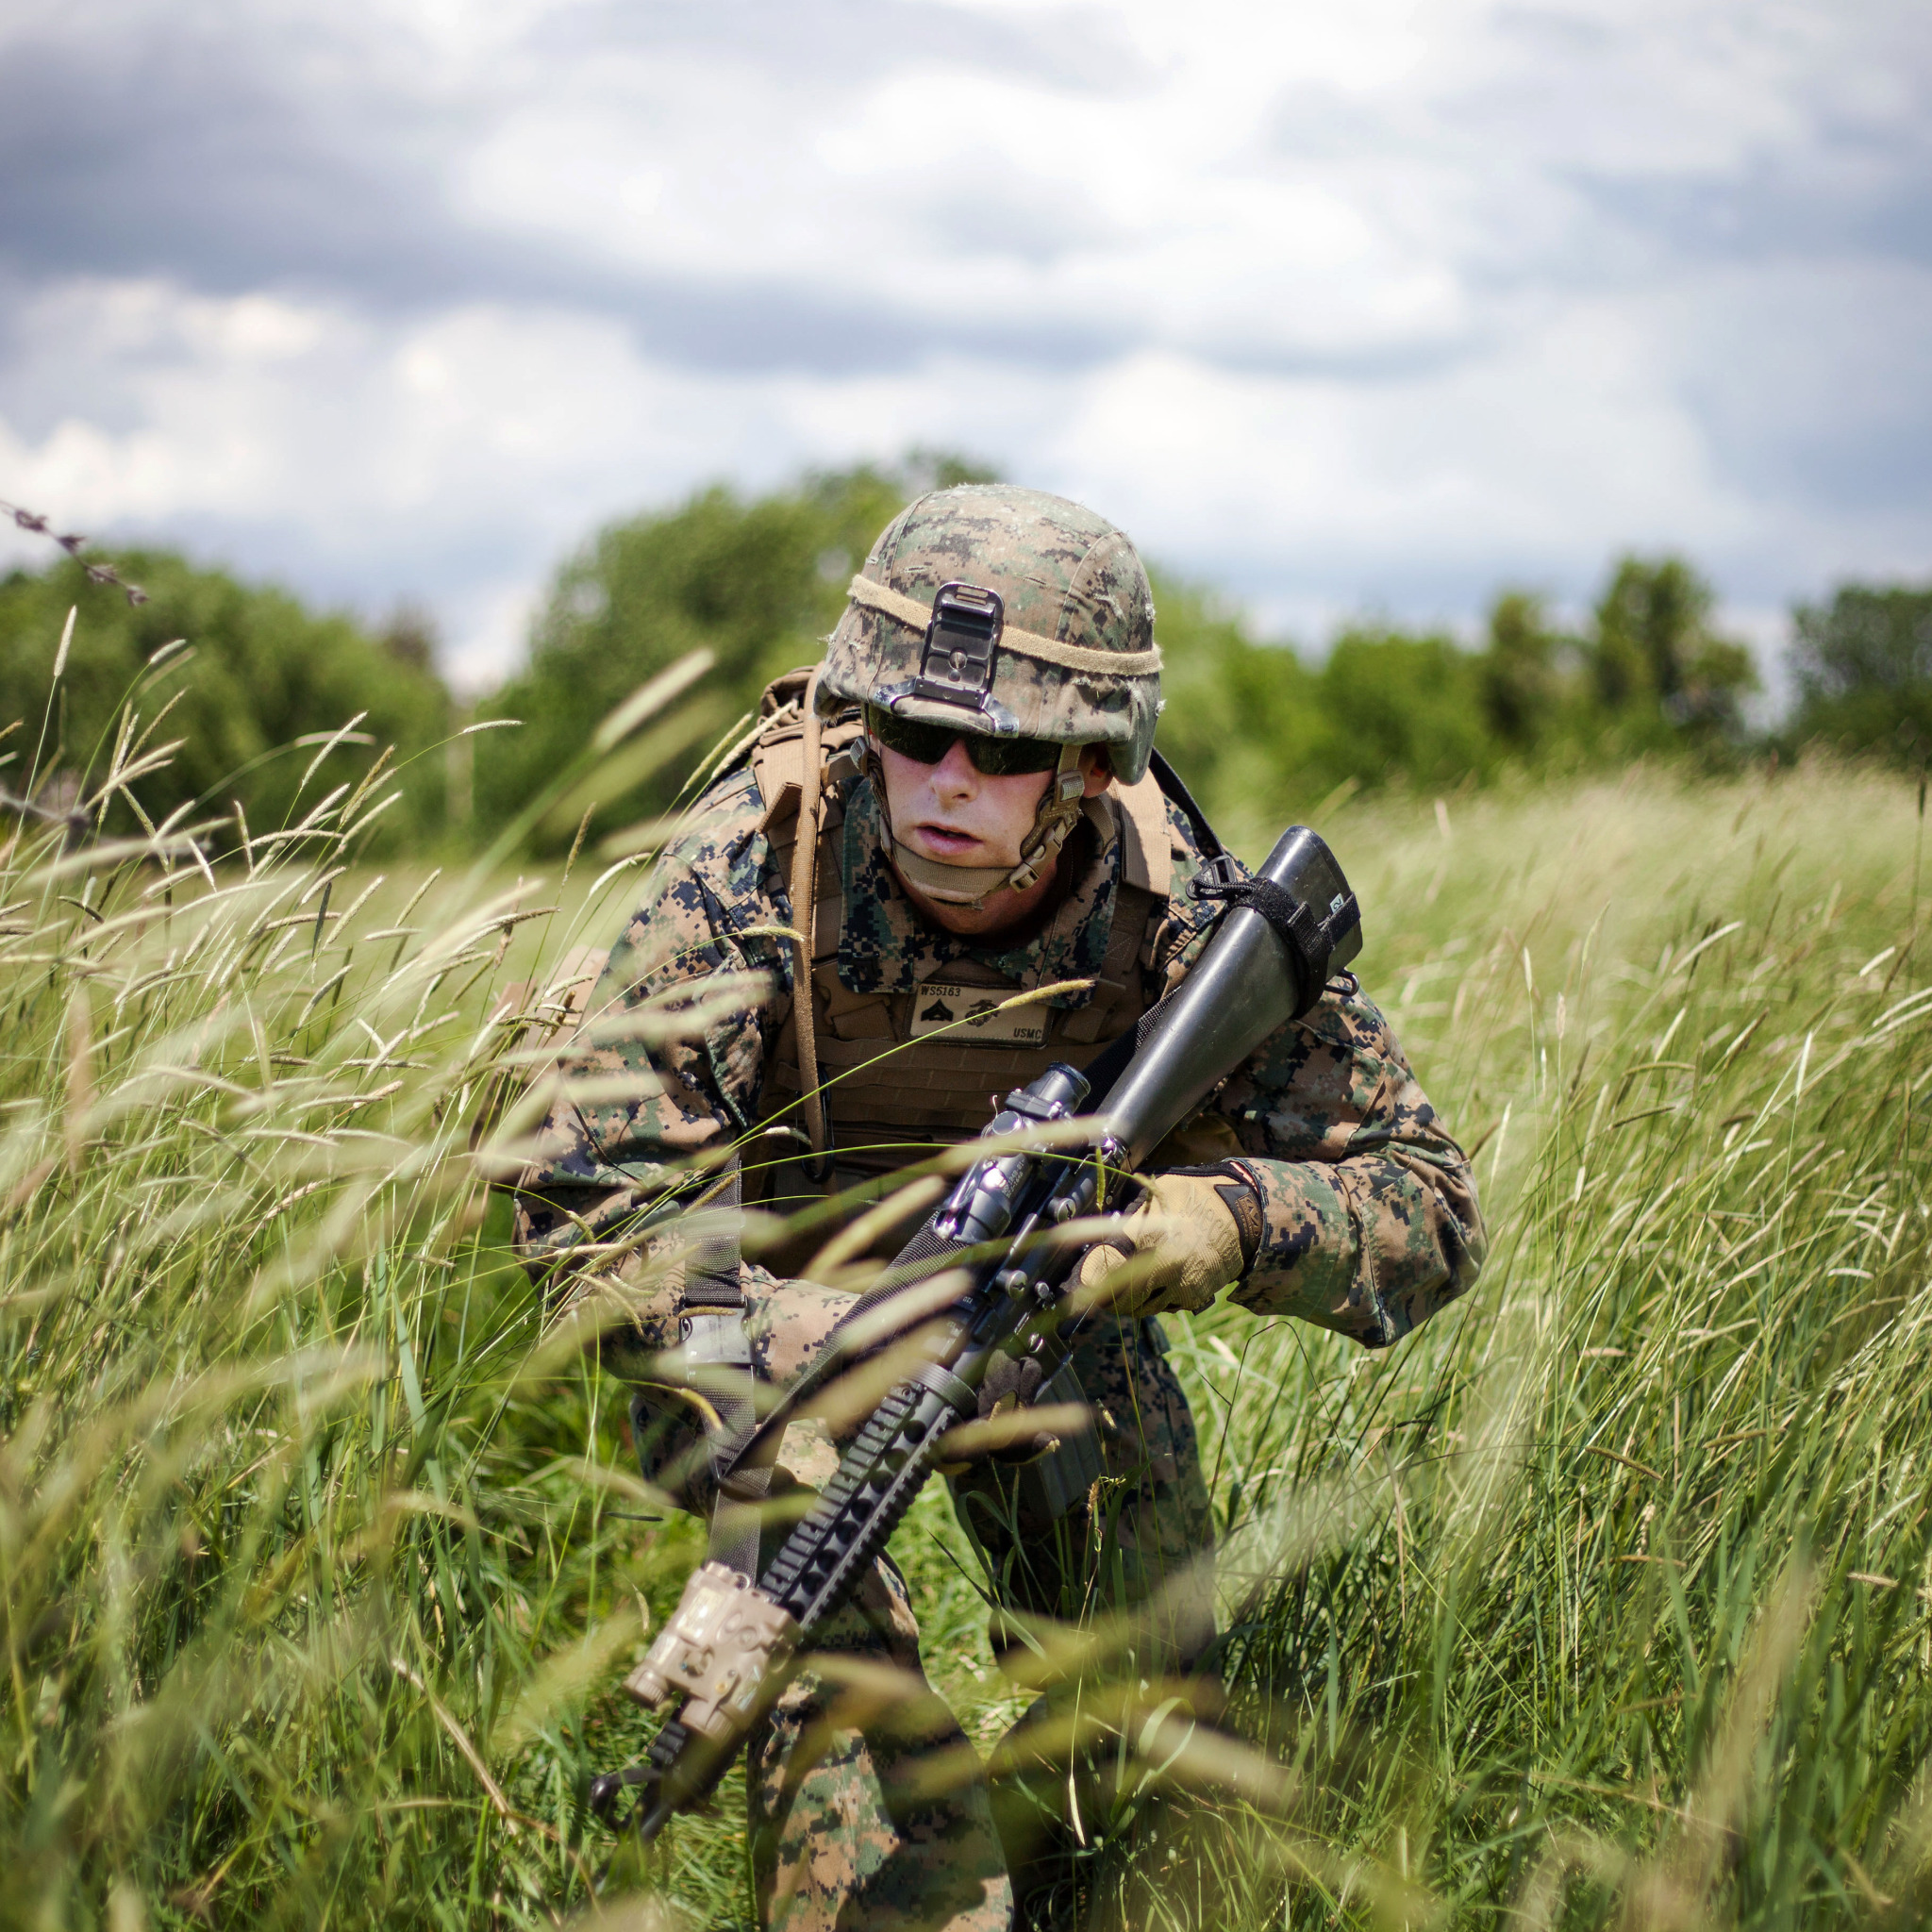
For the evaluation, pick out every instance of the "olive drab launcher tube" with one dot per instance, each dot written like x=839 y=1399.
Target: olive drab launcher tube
x=728 y=1649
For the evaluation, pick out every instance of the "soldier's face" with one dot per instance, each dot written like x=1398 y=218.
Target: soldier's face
x=955 y=814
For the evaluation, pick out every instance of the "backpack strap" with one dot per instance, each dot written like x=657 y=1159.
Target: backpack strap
x=804 y=899
x=777 y=751
x=790 y=768
x=1147 y=845
x=1169 y=781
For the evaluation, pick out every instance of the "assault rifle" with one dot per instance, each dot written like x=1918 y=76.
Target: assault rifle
x=728 y=1648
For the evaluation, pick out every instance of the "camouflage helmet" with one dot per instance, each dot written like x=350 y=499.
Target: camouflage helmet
x=1062 y=650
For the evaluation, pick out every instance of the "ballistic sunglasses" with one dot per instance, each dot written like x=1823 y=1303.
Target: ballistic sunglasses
x=927 y=744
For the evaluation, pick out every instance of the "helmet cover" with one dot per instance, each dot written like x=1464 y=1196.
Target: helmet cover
x=1074 y=659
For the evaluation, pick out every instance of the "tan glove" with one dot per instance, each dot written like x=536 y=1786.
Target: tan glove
x=1190 y=1235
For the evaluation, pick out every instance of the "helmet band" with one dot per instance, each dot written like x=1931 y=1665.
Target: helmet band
x=1028 y=643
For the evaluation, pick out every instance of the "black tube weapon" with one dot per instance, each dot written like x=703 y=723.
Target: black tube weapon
x=728 y=1648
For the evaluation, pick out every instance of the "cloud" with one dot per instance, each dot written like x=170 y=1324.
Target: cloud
x=1342 y=308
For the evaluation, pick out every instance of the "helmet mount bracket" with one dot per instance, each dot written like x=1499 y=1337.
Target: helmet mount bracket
x=956 y=665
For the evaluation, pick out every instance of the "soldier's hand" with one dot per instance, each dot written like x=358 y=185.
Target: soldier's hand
x=1193 y=1231
x=1010 y=1428
x=1009 y=1386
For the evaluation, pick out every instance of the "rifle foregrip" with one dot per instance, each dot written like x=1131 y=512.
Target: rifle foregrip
x=877 y=1480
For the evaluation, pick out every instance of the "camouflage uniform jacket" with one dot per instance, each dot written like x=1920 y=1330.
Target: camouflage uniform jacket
x=1370 y=1213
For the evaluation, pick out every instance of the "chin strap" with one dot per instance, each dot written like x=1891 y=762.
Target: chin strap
x=972 y=885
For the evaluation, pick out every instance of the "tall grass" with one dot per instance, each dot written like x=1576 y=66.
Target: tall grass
x=1605 y=1598
x=312 y=1540
x=321 y=1556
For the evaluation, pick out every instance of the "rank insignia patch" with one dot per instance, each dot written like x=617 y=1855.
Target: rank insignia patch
x=938 y=1006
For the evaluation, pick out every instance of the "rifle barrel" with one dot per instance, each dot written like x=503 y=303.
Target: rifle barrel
x=1242 y=988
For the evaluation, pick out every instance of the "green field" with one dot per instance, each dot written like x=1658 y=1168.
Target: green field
x=1604 y=1599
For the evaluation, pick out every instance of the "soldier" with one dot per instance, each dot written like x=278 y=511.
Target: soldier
x=960 y=805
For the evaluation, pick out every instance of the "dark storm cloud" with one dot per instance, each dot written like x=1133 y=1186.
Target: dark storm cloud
x=226 y=166
x=833 y=45
x=1852 y=190
x=184 y=157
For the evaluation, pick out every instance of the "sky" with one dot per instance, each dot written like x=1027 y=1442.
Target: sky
x=1349 y=312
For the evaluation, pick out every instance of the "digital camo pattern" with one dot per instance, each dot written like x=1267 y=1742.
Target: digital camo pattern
x=867 y=1809
x=1371 y=1224
x=785 y=1323
x=654 y=1078
x=1062 y=573
x=1144 y=1542
x=1146 y=1533
x=650 y=1080
x=864 y=1795
x=1369 y=1214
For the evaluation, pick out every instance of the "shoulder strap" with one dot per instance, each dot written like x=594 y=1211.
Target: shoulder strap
x=785 y=694
x=788 y=766
x=805 y=907
x=1147 y=854
x=1169 y=780
x=778 y=755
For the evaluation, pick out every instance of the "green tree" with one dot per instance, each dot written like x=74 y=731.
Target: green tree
x=251 y=672
x=1242 y=722
x=1525 y=692
x=1864 y=668
x=1660 y=670
x=1399 y=706
x=1258 y=734
x=1261 y=738
x=757 y=582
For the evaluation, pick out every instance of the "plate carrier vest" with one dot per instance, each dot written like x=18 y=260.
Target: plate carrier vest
x=892 y=1096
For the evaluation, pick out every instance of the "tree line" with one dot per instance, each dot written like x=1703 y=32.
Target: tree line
x=254 y=685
